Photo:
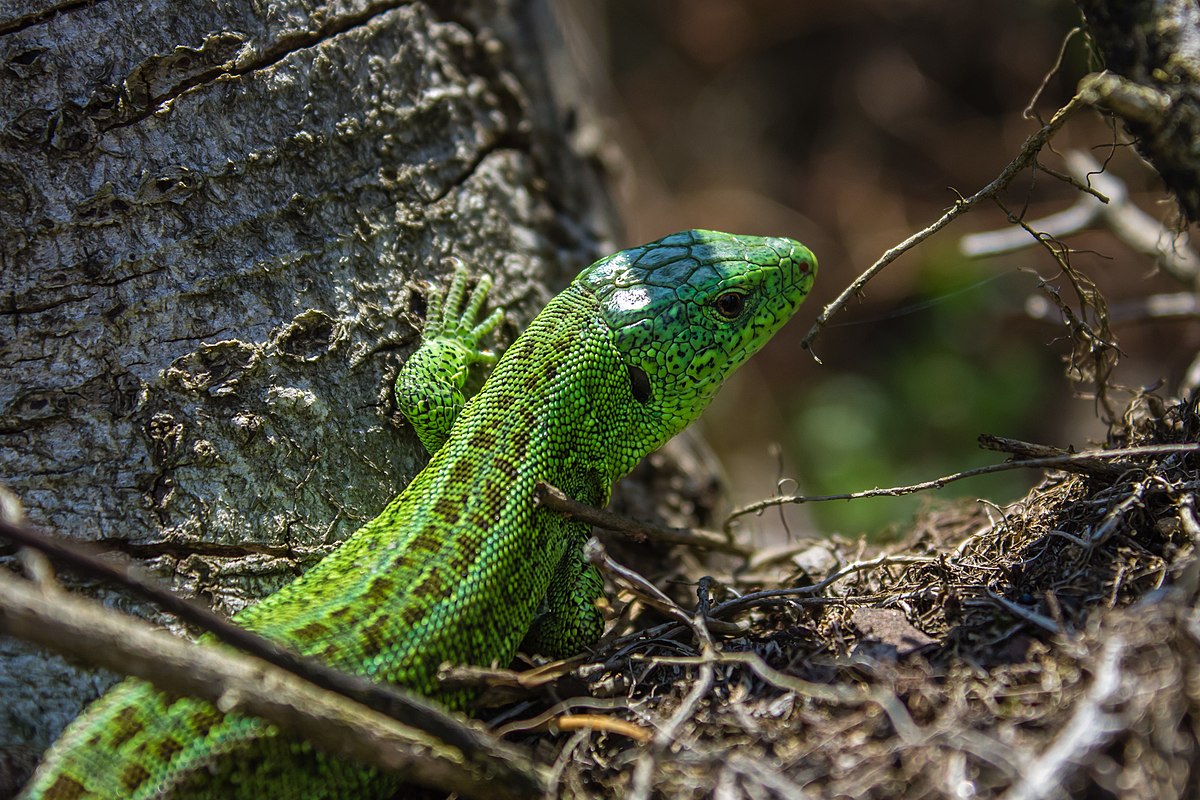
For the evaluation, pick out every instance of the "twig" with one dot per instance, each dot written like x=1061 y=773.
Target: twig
x=544 y=720
x=1131 y=100
x=596 y=722
x=1168 y=306
x=1029 y=151
x=755 y=598
x=1060 y=462
x=1098 y=467
x=766 y=598
x=1032 y=617
x=1116 y=514
x=565 y=757
x=1028 y=113
x=999 y=754
x=833 y=694
x=1093 y=350
x=826 y=693
x=767 y=775
x=1107 y=204
x=501 y=685
x=551 y=496
x=235 y=682
x=594 y=552
x=1091 y=727
x=1189 y=577
x=667 y=734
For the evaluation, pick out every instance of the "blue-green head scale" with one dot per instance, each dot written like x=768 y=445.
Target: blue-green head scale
x=685 y=311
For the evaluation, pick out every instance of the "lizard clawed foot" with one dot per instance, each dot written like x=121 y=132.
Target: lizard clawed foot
x=450 y=319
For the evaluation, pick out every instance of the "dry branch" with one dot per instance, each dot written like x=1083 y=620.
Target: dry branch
x=1083 y=462
x=407 y=709
x=1027 y=156
x=552 y=497
x=1103 y=201
x=238 y=683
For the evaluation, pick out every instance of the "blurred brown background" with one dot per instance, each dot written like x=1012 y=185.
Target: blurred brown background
x=851 y=125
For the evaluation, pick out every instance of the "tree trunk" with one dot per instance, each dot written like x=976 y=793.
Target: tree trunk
x=1153 y=49
x=217 y=221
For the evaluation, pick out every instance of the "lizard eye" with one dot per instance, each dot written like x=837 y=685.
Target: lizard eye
x=730 y=305
x=639 y=383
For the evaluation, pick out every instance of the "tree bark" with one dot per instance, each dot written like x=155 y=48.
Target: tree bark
x=1153 y=49
x=216 y=226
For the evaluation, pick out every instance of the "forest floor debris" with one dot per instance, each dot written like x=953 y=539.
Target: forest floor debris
x=1050 y=648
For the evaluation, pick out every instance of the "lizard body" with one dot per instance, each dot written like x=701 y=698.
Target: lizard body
x=462 y=567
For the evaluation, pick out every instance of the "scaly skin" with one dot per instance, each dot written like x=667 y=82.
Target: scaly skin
x=462 y=567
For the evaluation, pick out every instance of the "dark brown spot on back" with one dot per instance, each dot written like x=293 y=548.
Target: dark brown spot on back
x=311 y=632
x=461 y=560
x=411 y=615
x=375 y=637
x=480 y=518
x=381 y=590
x=460 y=473
x=202 y=720
x=126 y=725
x=66 y=788
x=434 y=586
x=446 y=509
x=521 y=438
x=483 y=439
x=167 y=749
x=133 y=777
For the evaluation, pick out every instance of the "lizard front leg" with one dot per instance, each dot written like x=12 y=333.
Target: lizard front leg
x=429 y=388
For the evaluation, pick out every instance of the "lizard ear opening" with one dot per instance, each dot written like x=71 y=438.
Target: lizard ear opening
x=639 y=383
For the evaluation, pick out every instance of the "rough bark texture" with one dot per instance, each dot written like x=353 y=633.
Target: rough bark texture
x=216 y=224
x=1154 y=45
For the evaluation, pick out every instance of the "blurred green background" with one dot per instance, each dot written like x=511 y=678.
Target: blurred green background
x=851 y=125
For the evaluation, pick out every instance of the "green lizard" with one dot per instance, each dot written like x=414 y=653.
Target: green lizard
x=462 y=566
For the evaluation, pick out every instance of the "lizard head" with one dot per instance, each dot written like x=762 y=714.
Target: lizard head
x=684 y=312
